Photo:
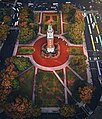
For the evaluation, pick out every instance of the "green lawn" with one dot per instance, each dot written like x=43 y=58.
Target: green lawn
x=25 y=50
x=27 y=83
x=49 y=91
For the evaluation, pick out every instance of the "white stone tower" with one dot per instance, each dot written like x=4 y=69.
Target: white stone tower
x=50 y=39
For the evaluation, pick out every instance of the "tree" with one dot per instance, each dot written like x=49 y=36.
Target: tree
x=36 y=111
x=71 y=15
x=7 y=19
x=7 y=76
x=75 y=51
x=66 y=7
x=23 y=14
x=75 y=89
x=86 y=93
x=21 y=63
x=67 y=110
x=15 y=84
x=26 y=35
x=3 y=31
x=78 y=64
x=22 y=108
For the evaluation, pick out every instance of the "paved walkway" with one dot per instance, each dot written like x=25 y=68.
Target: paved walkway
x=34 y=84
x=16 y=48
x=65 y=83
x=40 y=23
x=61 y=22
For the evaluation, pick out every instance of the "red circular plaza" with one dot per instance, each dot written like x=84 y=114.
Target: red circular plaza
x=60 y=60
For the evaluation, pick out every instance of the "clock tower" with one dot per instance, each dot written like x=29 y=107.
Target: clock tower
x=50 y=39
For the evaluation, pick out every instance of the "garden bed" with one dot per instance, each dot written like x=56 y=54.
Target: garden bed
x=52 y=18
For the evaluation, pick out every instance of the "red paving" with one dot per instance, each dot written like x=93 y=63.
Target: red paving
x=50 y=62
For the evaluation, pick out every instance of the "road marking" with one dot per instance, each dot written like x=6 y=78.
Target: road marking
x=90 y=18
x=87 y=19
x=90 y=29
x=100 y=39
x=96 y=40
x=95 y=19
x=93 y=45
x=97 y=29
x=99 y=71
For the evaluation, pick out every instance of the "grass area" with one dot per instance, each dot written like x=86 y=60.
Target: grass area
x=75 y=51
x=54 y=19
x=60 y=73
x=71 y=77
x=49 y=91
x=25 y=50
x=26 y=83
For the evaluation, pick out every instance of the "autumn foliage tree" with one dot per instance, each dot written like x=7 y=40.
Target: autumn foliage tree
x=26 y=34
x=7 y=76
x=78 y=64
x=3 y=31
x=14 y=106
x=7 y=19
x=76 y=23
x=22 y=108
x=66 y=7
x=67 y=110
x=86 y=93
x=23 y=14
x=82 y=91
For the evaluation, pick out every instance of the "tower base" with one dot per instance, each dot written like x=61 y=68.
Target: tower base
x=51 y=52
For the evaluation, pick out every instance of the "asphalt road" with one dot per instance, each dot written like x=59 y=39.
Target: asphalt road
x=8 y=47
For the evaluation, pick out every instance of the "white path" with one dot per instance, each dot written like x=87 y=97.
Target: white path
x=16 y=48
x=75 y=73
x=50 y=109
x=34 y=84
x=40 y=23
x=61 y=23
x=62 y=83
x=65 y=83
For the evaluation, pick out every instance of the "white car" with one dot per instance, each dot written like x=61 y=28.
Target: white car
x=19 y=3
x=30 y=4
x=16 y=23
